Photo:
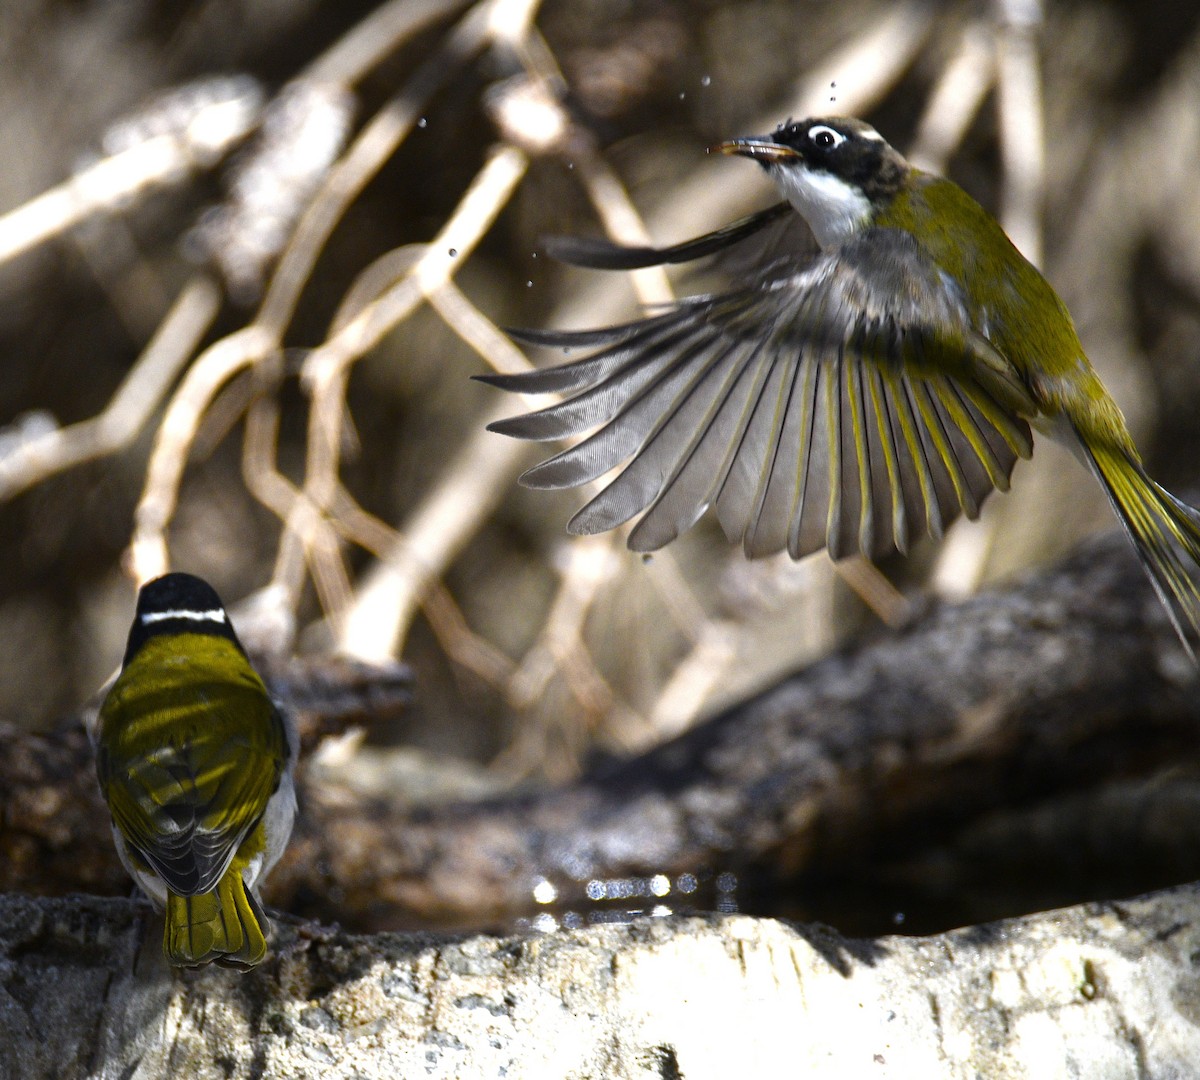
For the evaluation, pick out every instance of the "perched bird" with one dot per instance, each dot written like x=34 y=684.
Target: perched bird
x=195 y=763
x=847 y=396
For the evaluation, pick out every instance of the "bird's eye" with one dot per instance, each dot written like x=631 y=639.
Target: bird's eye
x=825 y=138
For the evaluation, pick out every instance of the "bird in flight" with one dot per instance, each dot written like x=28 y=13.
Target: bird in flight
x=849 y=396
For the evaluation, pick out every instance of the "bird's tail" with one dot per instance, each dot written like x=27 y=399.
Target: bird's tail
x=1164 y=530
x=225 y=925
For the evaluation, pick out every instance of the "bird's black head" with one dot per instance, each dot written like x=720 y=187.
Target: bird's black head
x=177 y=604
x=836 y=171
x=838 y=146
x=177 y=592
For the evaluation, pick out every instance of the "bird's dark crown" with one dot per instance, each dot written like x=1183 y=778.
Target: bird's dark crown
x=177 y=591
x=846 y=148
x=178 y=604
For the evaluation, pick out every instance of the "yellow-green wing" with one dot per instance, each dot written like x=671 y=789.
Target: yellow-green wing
x=846 y=401
x=191 y=751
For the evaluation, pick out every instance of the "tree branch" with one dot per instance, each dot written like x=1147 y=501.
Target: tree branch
x=1065 y=679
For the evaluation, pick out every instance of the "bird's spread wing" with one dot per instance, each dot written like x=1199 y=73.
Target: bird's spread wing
x=842 y=401
x=186 y=806
x=603 y=255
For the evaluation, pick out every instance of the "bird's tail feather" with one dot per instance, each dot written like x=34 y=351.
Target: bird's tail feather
x=1165 y=532
x=225 y=925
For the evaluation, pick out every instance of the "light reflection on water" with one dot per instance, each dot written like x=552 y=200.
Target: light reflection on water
x=615 y=900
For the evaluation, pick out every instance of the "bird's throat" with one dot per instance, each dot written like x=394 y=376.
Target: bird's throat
x=834 y=209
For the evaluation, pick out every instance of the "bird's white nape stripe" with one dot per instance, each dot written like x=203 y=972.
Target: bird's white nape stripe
x=834 y=209
x=212 y=615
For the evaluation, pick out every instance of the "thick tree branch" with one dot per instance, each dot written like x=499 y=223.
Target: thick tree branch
x=1066 y=678
x=1058 y=682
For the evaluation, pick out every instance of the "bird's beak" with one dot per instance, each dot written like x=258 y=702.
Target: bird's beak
x=766 y=151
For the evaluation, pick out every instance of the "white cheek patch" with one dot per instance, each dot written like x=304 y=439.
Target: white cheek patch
x=833 y=209
x=216 y=615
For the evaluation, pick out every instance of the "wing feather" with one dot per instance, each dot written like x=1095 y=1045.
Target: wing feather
x=768 y=527
x=966 y=419
x=972 y=467
x=810 y=519
x=812 y=407
x=600 y=387
x=737 y=500
x=686 y=494
x=764 y=432
x=885 y=433
x=944 y=453
x=946 y=482
x=925 y=498
x=691 y=393
x=831 y=400
x=862 y=456
x=640 y=405
x=604 y=255
x=1011 y=428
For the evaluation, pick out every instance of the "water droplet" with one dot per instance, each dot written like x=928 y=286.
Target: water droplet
x=682 y=95
x=454 y=253
x=533 y=254
x=422 y=122
x=706 y=80
x=570 y=164
x=529 y=284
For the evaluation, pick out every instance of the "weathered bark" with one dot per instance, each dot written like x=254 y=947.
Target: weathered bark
x=1106 y=991
x=1067 y=678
